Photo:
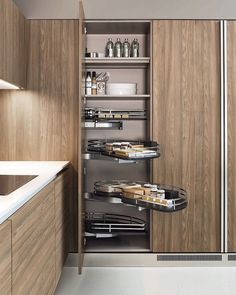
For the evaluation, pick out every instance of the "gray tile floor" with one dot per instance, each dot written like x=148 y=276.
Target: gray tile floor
x=148 y=281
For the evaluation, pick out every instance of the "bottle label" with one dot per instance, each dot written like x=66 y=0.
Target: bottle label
x=110 y=52
x=89 y=91
x=118 y=52
x=126 y=51
x=88 y=86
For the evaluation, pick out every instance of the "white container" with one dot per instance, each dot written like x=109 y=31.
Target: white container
x=121 y=88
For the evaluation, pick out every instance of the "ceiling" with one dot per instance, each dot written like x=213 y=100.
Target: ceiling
x=129 y=9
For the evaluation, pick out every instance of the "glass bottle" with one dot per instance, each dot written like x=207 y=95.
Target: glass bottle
x=94 y=83
x=126 y=48
x=135 y=48
x=88 y=84
x=110 y=48
x=118 y=48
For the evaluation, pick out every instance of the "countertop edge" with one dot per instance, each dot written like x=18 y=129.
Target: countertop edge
x=42 y=182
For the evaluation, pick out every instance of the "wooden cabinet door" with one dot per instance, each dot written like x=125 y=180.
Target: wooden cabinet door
x=33 y=245
x=186 y=124
x=231 y=66
x=12 y=44
x=5 y=258
x=63 y=220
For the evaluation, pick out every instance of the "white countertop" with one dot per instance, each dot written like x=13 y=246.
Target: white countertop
x=46 y=171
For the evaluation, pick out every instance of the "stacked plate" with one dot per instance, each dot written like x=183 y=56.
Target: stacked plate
x=121 y=88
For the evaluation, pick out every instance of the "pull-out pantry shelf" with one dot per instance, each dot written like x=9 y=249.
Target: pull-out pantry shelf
x=174 y=198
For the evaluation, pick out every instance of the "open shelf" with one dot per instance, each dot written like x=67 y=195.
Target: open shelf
x=117 y=62
x=110 y=97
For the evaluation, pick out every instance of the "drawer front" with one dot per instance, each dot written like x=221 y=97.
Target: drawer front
x=33 y=245
x=62 y=219
x=5 y=258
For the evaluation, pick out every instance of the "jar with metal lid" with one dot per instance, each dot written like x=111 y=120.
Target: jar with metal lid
x=126 y=48
x=135 y=48
x=110 y=48
x=118 y=48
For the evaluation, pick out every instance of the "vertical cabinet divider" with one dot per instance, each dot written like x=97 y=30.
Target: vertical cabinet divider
x=225 y=137
x=224 y=150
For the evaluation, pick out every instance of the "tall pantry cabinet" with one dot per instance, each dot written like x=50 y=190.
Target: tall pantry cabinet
x=185 y=94
x=186 y=124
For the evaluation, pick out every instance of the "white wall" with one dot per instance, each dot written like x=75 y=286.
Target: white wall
x=49 y=9
x=130 y=9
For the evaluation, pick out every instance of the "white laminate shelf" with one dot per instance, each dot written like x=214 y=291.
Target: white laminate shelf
x=101 y=97
x=116 y=62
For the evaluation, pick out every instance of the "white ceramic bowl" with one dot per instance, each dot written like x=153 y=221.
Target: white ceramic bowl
x=121 y=88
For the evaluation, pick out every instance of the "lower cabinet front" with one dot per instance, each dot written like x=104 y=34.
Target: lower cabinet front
x=62 y=219
x=33 y=245
x=34 y=241
x=5 y=258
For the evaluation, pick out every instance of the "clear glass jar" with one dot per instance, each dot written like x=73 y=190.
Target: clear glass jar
x=135 y=48
x=110 y=48
x=118 y=48
x=126 y=48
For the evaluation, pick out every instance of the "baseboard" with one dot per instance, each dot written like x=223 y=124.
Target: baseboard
x=154 y=260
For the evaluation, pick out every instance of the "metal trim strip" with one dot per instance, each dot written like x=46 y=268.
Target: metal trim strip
x=225 y=140
x=222 y=133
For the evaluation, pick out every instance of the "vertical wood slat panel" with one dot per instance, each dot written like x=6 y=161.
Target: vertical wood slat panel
x=186 y=123
x=42 y=122
x=5 y=258
x=33 y=245
x=12 y=44
x=231 y=66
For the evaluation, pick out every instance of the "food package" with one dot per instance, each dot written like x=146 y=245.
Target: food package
x=101 y=79
x=155 y=200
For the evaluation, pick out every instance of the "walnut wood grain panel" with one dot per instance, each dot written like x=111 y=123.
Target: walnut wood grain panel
x=61 y=250
x=62 y=219
x=12 y=44
x=42 y=122
x=5 y=258
x=63 y=190
x=231 y=26
x=186 y=124
x=33 y=245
